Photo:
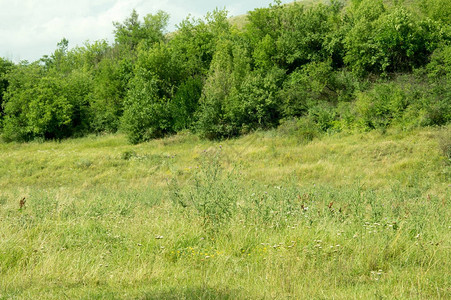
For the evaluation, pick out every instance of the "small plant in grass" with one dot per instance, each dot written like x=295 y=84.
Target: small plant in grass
x=212 y=194
x=83 y=163
x=127 y=155
x=444 y=142
x=305 y=128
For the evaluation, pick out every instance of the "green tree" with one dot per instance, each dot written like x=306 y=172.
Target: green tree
x=438 y=10
x=382 y=40
x=113 y=72
x=436 y=102
x=5 y=67
x=146 y=115
x=34 y=105
x=212 y=121
x=48 y=99
x=167 y=80
x=110 y=82
x=133 y=31
x=306 y=87
x=185 y=103
x=306 y=34
x=236 y=99
x=195 y=42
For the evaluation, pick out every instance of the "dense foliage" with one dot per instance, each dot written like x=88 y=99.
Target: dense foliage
x=354 y=65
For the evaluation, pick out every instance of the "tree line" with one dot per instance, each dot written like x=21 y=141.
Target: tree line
x=308 y=68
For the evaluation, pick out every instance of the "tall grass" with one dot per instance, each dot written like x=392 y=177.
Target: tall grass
x=262 y=216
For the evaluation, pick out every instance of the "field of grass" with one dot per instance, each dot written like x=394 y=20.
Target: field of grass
x=363 y=216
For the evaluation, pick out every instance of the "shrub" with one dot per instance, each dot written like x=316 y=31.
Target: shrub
x=346 y=117
x=5 y=66
x=440 y=63
x=437 y=104
x=212 y=122
x=110 y=86
x=305 y=129
x=380 y=106
x=255 y=104
x=146 y=116
x=381 y=41
x=45 y=105
x=323 y=115
x=185 y=103
x=305 y=87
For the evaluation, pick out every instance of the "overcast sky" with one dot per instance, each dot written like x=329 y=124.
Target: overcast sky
x=30 y=29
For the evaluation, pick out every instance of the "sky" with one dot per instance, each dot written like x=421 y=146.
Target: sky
x=30 y=29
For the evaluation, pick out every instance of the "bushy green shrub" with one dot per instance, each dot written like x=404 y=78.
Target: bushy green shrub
x=385 y=40
x=146 y=115
x=324 y=116
x=305 y=87
x=343 y=84
x=51 y=106
x=185 y=103
x=110 y=85
x=431 y=91
x=439 y=10
x=304 y=129
x=345 y=117
x=440 y=63
x=435 y=106
x=381 y=106
x=255 y=104
x=5 y=67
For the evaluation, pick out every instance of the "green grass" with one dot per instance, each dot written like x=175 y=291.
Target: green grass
x=361 y=216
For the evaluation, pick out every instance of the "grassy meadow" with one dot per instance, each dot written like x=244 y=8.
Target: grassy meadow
x=263 y=216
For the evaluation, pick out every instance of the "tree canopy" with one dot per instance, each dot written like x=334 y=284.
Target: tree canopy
x=354 y=65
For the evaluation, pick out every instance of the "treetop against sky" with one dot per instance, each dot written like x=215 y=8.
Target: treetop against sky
x=30 y=29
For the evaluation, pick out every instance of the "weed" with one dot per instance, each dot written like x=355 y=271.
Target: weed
x=444 y=141
x=127 y=155
x=212 y=194
x=83 y=163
